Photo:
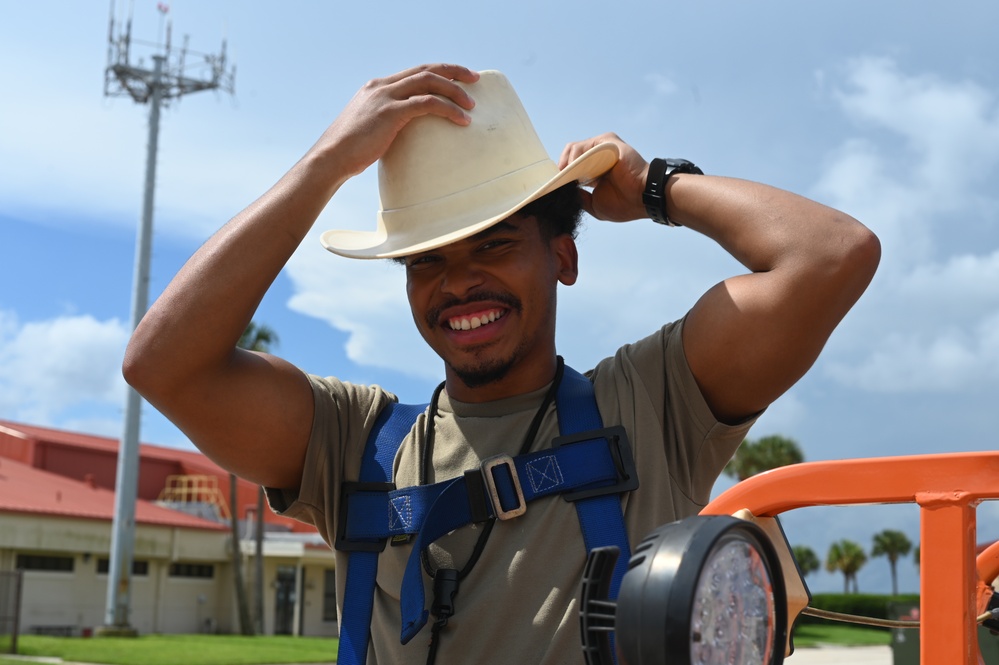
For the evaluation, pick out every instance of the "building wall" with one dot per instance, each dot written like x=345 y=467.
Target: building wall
x=73 y=602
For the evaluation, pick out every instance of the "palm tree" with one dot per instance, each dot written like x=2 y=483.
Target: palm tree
x=769 y=452
x=847 y=557
x=258 y=338
x=891 y=544
x=808 y=561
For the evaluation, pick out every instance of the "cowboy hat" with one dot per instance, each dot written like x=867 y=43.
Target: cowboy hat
x=440 y=182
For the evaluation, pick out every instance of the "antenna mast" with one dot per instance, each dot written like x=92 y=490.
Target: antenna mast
x=167 y=79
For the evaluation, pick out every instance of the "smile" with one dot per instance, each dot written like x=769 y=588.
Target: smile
x=466 y=322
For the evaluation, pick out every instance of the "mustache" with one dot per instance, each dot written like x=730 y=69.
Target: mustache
x=433 y=316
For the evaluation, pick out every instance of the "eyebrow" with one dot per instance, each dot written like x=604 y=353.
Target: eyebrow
x=498 y=227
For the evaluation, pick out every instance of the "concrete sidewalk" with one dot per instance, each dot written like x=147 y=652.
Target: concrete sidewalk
x=845 y=655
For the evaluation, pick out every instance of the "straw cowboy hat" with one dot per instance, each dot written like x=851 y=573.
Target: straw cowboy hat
x=441 y=182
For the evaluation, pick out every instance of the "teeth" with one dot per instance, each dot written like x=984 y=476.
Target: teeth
x=475 y=321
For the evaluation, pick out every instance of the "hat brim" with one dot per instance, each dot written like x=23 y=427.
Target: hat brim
x=379 y=245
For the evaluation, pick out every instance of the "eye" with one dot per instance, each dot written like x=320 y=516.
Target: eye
x=422 y=261
x=494 y=243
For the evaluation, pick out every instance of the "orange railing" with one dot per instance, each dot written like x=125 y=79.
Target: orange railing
x=955 y=587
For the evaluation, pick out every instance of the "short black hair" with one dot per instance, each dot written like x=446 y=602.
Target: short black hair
x=558 y=212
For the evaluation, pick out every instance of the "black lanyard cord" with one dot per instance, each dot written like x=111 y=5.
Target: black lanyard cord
x=446 y=580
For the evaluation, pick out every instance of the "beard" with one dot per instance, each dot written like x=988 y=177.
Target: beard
x=484 y=372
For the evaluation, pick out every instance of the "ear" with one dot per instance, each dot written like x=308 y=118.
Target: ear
x=566 y=258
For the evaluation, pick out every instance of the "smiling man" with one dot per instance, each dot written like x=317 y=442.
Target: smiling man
x=480 y=498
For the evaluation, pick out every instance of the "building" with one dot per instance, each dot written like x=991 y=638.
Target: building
x=56 y=508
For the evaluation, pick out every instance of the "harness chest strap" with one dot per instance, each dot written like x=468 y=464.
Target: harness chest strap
x=501 y=487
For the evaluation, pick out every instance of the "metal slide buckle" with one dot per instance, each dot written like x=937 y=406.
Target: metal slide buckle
x=487 y=467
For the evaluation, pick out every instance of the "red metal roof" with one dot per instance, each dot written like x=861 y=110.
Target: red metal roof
x=25 y=489
x=79 y=458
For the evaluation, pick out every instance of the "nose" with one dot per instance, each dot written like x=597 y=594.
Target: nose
x=461 y=278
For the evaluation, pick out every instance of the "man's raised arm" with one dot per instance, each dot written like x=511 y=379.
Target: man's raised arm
x=752 y=336
x=252 y=412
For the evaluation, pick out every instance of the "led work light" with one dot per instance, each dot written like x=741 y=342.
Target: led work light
x=707 y=590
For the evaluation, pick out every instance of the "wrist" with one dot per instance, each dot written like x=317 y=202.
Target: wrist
x=654 y=196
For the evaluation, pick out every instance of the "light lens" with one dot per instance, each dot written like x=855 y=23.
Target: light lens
x=732 y=618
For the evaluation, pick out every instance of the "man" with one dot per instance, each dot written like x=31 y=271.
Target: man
x=485 y=228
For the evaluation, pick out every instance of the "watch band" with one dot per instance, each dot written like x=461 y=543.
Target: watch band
x=654 y=196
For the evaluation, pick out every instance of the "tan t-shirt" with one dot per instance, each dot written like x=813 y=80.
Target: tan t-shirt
x=519 y=604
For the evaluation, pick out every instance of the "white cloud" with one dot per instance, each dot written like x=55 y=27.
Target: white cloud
x=932 y=143
x=953 y=125
x=48 y=368
x=941 y=360
x=926 y=160
x=367 y=300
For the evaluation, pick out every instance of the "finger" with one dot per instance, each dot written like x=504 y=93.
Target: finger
x=434 y=105
x=447 y=70
x=575 y=149
x=427 y=82
x=571 y=151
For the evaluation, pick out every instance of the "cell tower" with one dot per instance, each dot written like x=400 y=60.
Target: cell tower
x=169 y=78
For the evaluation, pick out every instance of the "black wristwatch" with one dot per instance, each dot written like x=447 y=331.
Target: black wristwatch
x=654 y=196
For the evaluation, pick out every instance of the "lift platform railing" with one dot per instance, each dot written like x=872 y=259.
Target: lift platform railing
x=955 y=585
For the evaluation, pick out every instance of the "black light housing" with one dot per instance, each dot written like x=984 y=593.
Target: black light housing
x=704 y=590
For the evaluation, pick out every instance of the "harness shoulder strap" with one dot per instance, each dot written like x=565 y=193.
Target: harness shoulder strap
x=393 y=424
x=600 y=517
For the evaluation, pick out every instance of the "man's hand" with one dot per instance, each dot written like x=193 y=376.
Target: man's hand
x=366 y=128
x=617 y=194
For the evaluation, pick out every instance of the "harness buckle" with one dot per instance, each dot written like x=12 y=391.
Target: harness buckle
x=487 y=467
x=342 y=543
x=620 y=452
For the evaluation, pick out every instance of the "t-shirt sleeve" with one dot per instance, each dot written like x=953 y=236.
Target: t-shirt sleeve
x=344 y=415
x=658 y=401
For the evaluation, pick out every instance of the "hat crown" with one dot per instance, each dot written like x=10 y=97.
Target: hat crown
x=433 y=158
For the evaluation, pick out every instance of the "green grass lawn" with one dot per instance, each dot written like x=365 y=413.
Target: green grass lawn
x=180 y=649
x=239 y=650
x=840 y=634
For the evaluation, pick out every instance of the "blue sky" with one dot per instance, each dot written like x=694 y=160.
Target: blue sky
x=888 y=111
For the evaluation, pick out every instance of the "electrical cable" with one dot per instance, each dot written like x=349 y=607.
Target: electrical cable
x=882 y=623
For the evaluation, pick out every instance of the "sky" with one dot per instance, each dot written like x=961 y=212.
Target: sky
x=888 y=111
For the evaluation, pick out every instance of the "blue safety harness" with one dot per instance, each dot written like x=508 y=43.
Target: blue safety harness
x=587 y=464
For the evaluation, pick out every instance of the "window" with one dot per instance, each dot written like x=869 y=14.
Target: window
x=139 y=568
x=61 y=564
x=198 y=570
x=329 y=595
